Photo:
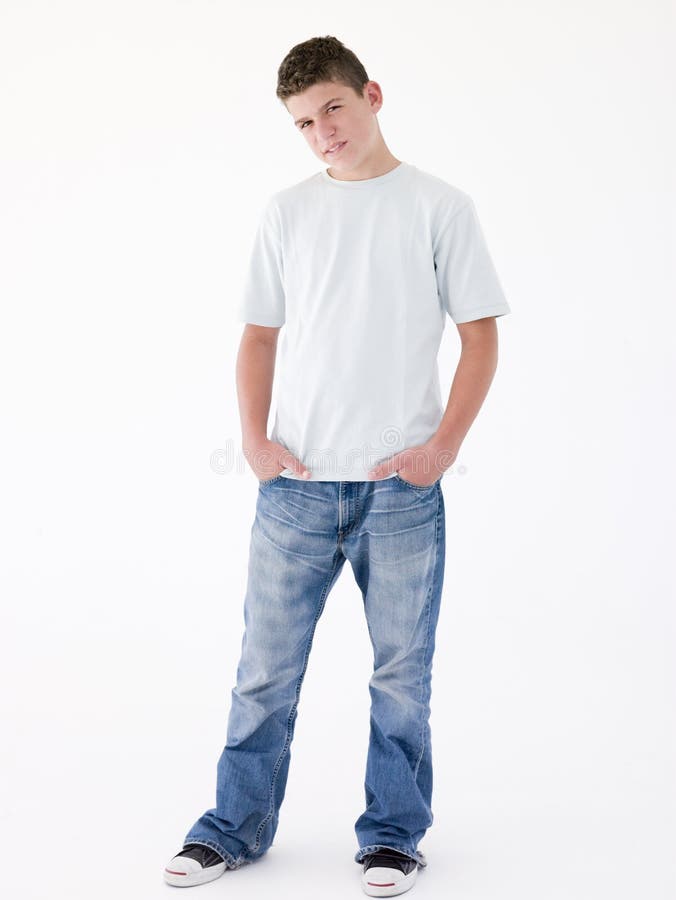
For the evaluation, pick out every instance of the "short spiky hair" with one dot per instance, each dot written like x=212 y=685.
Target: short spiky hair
x=319 y=59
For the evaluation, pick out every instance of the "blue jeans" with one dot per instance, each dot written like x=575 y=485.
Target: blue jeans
x=393 y=534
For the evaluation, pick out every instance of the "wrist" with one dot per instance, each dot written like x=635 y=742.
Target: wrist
x=445 y=449
x=253 y=439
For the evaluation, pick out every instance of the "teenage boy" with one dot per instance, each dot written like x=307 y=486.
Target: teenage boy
x=361 y=262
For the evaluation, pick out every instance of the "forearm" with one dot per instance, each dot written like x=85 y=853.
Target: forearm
x=254 y=375
x=473 y=377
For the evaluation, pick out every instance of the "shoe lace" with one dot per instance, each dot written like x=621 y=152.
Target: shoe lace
x=205 y=856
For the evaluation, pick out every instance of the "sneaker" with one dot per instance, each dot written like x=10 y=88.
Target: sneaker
x=195 y=864
x=388 y=872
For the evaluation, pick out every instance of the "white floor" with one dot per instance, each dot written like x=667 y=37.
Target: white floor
x=552 y=741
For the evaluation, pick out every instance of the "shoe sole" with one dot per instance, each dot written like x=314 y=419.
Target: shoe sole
x=387 y=889
x=175 y=877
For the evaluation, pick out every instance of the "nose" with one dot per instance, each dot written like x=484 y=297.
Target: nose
x=325 y=137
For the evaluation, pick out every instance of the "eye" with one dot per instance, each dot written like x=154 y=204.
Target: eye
x=303 y=124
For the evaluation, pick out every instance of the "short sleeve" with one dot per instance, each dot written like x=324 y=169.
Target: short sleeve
x=263 y=301
x=467 y=282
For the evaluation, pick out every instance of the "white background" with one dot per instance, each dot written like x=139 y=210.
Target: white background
x=139 y=143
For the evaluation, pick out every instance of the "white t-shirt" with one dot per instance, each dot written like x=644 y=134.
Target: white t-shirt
x=361 y=274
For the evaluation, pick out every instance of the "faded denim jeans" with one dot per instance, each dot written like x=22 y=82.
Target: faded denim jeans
x=393 y=534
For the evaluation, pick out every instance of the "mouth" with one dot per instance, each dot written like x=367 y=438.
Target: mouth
x=335 y=149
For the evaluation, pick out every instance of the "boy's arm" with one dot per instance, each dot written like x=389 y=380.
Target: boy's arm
x=473 y=376
x=255 y=372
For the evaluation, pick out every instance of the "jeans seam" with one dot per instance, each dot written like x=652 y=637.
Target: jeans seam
x=273 y=780
x=427 y=637
x=269 y=480
x=373 y=848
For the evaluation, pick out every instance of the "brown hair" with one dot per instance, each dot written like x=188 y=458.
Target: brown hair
x=319 y=59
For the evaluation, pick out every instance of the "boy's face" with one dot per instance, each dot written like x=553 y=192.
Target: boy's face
x=331 y=113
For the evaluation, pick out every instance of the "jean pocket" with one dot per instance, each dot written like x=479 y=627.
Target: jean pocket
x=269 y=481
x=417 y=487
